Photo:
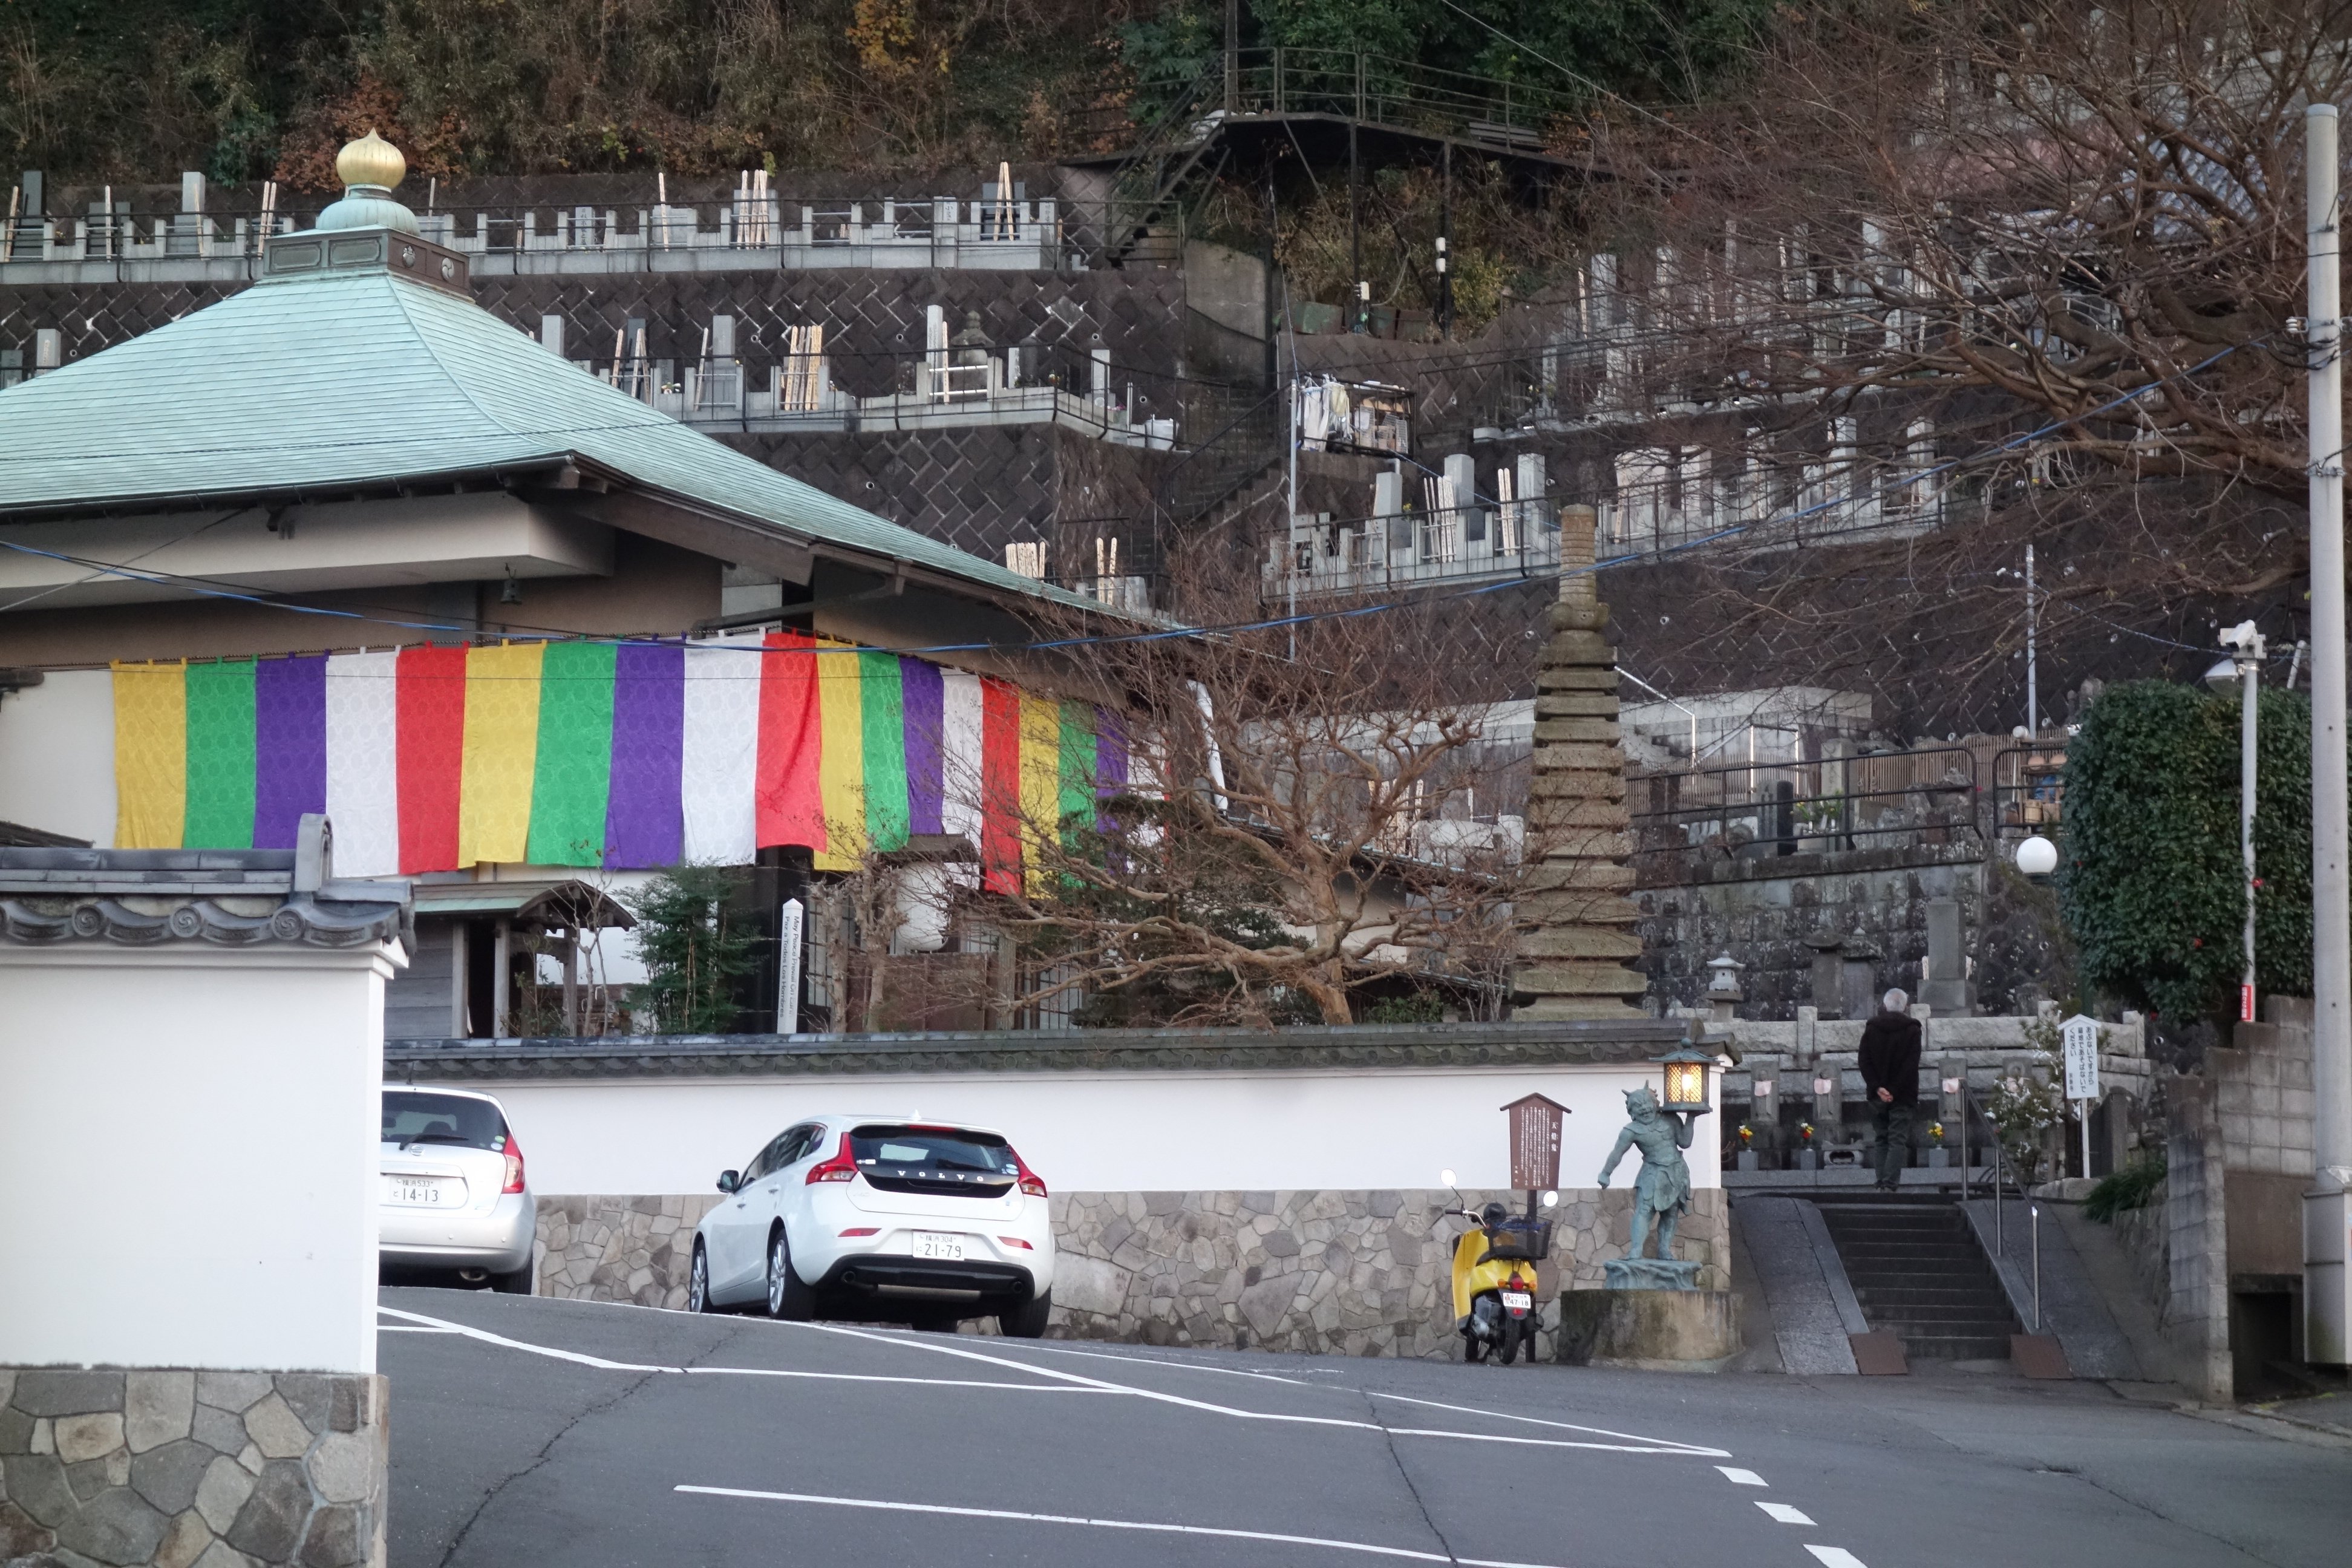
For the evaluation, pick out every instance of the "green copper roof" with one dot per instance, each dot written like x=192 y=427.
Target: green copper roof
x=335 y=380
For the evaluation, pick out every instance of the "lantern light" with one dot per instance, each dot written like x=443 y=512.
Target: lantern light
x=2036 y=856
x=1685 y=1081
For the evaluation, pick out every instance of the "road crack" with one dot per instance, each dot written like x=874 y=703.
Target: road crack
x=547 y=1449
x=1405 y=1475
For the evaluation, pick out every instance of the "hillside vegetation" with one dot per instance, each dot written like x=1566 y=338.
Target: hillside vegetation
x=136 y=90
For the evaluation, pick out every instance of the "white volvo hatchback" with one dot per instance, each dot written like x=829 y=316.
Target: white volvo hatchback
x=878 y=1218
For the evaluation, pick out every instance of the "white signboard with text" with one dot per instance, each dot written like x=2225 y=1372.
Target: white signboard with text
x=2081 y=1041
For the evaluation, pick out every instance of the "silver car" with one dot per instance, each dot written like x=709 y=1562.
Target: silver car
x=457 y=1200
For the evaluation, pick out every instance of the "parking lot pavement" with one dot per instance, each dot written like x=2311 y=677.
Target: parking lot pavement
x=544 y=1432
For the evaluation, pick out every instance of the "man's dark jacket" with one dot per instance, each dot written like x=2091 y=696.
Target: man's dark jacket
x=1890 y=1057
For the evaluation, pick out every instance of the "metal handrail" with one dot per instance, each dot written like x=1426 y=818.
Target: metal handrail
x=1799 y=814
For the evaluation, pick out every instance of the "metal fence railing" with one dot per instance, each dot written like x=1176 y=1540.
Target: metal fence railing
x=1928 y=796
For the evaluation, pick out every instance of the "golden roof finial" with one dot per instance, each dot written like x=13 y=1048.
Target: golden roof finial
x=370 y=160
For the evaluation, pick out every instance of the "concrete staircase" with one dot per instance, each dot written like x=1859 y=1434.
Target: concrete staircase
x=1918 y=1273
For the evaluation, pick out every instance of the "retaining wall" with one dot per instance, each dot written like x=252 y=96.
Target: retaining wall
x=1354 y=1273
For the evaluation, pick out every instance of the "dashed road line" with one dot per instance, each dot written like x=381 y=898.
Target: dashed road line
x=1151 y=1526
x=1739 y=1477
x=1783 y=1513
x=1835 y=1557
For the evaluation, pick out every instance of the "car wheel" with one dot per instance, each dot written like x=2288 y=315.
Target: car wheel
x=1028 y=1321
x=698 y=1282
x=788 y=1298
x=513 y=1282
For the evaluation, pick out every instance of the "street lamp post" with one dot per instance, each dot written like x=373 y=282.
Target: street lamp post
x=2243 y=669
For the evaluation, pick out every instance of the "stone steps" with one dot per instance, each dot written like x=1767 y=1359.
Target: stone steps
x=1918 y=1272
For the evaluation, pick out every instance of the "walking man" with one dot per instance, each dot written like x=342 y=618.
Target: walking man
x=1890 y=1078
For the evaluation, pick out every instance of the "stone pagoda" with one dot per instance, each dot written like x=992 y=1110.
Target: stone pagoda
x=1574 y=960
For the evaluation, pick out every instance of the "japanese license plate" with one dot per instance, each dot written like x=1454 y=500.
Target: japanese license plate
x=938 y=1244
x=413 y=1192
x=1518 y=1300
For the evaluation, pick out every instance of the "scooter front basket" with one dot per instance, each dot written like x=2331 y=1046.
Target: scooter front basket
x=1518 y=1241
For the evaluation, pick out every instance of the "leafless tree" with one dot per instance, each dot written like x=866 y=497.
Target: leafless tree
x=1311 y=813
x=2057 y=247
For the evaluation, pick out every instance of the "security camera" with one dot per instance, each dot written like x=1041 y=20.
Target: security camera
x=2243 y=638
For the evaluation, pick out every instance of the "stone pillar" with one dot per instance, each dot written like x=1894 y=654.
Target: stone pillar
x=191 y=1383
x=1574 y=963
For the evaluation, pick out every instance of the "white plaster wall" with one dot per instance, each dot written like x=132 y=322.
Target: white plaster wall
x=188 y=1171
x=1096 y=1131
x=57 y=755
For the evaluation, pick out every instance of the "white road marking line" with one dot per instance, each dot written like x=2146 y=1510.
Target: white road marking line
x=876 y=1377
x=439 y=1327
x=1782 y=1513
x=410 y=1329
x=1640 y=1446
x=1666 y=1447
x=1835 y=1557
x=1182 y=1365
x=1690 y=1448
x=488 y=1338
x=1739 y=1477
x=1105 y=1524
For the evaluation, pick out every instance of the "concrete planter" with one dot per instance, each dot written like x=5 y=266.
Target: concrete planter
x=1654 y=1331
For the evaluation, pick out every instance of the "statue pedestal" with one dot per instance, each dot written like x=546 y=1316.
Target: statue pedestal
x=1650 y=1331
x=1650 y=1274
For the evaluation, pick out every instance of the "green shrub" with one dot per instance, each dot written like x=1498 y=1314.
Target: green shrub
x=2148 y=871
x=2133 y=1187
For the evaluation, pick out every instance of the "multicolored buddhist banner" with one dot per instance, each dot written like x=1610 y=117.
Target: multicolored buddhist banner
x=627 y=755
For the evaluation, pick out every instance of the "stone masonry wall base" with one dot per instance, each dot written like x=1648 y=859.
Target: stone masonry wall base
x=170 y=1468
x=1351 y=1273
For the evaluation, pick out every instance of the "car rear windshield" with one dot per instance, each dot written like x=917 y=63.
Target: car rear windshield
x=931 y=1153
x=414 y=1117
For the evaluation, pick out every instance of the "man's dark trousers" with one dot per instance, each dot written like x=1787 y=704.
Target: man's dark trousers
x=1893 y=1125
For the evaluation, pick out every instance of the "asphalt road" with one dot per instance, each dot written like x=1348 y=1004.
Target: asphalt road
x=532 y=1432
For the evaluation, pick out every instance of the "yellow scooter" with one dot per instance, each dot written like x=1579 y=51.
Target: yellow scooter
x=1495 y=1283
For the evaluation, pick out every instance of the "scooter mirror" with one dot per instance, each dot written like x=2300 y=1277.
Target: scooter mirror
x=1444 y=1178
x=1550 y=1200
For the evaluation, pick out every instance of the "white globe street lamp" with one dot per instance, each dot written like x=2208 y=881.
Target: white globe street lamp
x=2037 y=856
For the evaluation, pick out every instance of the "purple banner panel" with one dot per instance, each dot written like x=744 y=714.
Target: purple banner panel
x=925 y=689
x=645 y=823
x=290 y=747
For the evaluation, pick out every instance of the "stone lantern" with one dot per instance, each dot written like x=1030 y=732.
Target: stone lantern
x=1723 y=992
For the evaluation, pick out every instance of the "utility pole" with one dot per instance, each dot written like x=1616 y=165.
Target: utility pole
x=2327 y=1207
x=2033 y=677
x=1363 y=300
x=1444 y=300
x=2242 y=670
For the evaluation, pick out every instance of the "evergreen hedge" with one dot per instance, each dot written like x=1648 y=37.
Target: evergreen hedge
x=2148 y=875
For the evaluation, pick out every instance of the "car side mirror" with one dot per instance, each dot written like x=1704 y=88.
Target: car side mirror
x=729 y=1179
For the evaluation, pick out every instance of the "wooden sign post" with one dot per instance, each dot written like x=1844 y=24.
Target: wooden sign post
x=1535 y=1145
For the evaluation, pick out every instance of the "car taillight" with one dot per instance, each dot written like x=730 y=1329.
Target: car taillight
x=840 y=1168
x=862 y=1230
x=1016 y=1241
x=1030 y=1182
x=513 y=1153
